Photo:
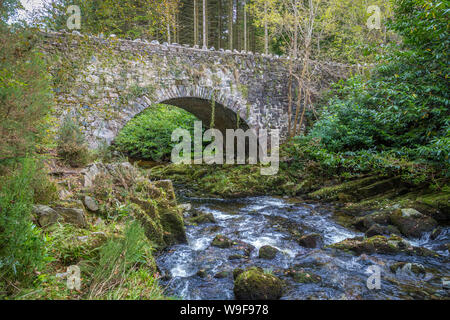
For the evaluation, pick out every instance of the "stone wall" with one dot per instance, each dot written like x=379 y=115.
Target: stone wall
x=106 y=82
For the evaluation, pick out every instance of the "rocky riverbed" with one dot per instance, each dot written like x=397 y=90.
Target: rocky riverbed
x=300 y=251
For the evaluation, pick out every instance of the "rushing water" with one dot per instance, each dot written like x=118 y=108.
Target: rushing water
x=259 y=221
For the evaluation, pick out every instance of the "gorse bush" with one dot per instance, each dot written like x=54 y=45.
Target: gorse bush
x=148 y=136
x=71 y=145
x=22 y=247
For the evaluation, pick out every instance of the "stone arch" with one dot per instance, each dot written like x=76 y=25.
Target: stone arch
x=198 y=101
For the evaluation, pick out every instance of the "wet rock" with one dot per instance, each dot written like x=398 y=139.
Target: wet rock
x=381 y=244
x=408 y=267
x=221 y=241
x=173 y=225
x=236 y=257
x=301 y=276
x=44 y=215
x=253 y=284
x=312 y=240
x=91 y=204
x=412 y=223
x=75 y=216
x=201 y=273
x=185 y=206
x=366 y=222
x=436 y=233
x=237 y=272
x=267 y=252
x=203 y=218
x=375 y=230
x=222 y=275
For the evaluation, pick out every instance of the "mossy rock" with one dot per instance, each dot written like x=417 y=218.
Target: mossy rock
x=412 y=223
x=222 y=275
x=301 y=276
x=407 y=266
x=439 y=201
x=237 y=272
x=381 y=244
x=203 y=218
x=253 y=284
x=267 y=252
x=310 y=240
x=173 y=225
x=152 y=226
x=222 y=242
x=347 y=189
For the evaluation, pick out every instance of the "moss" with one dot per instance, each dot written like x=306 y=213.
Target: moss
x=222 y=242
x=253 y=284
x=300 y=276
x=333 y=192
x=381 y=244
x=202 y=218
x=267 y=252
x=173 y=225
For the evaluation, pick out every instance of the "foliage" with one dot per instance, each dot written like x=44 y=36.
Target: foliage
x=71 y=145
x=148 y=136
x=399 y=118
x=119 y=258
x=125 y=18
x=25 y=94
x=22 y=247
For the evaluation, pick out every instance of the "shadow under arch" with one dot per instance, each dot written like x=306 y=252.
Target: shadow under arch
x=224 y=118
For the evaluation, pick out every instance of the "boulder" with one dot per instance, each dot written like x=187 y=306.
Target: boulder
x=408 y=267
x=222 y=275
x=254 y=284
x=75 y=216
x=222 y=242
x=90 y=204
x=381 y=244
x=412 y=223
x=301 y=276
x=167 y=187
x=45 y=216
x=267 y=252
x=203 y=218
x=310 y=240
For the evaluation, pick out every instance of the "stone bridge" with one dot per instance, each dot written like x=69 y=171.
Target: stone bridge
x=105 y=82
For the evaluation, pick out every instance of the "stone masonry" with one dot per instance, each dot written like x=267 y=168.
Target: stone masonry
x=105 y=82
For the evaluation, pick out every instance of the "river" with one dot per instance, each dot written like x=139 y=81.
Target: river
x=198 y=271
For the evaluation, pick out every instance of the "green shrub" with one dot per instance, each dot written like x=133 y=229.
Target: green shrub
x=22 y=248
x=25 y=93
x=398 y=121
x=148 y=136
x=45 y=190
x=119 y=258
x=71 y=145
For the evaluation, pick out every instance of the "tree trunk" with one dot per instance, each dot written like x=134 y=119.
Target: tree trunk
x=245 y=26
x=205 y=32
x=266 y=31
x=219 y=25
x=195 y=22
x=230 y=23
